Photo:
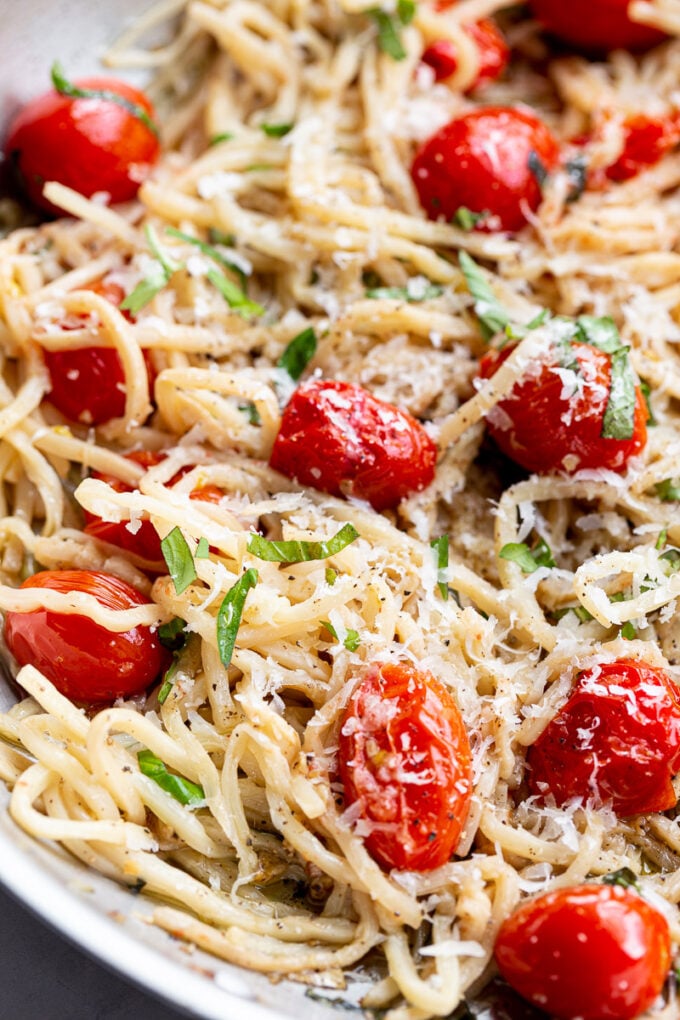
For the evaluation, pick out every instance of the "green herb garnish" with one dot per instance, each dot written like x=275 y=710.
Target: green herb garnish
x=223 y=136
x=646 y=391
x=537 y=168
x=619 y=414
x=66 y=88
x=168 y=680
x=628 y=631
x=579 y=611
x=330 y=576
x=237 y=300
x=352 y=639
x=668 y=490
x=211 y=252
x=623 y=877
x=276 y=130
x=172 y=634
x=466 y=219
x=410 y=294
x=389 y=27
x=230 y=612
x=187 y=793
x=528 y=559
x=301 y=552
x=441 y=549
x=158 y=277
x=298 y=353
x=251 y=412
x=180 y=562
x=601 y=332
x=492 y=316
x=202 y=549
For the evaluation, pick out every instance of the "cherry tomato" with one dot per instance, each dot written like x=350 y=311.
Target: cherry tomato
x=144 y=541
x=88 y=383
x=494 y=54
x=595 y=25
x=483 y=161
x=646 y=141
x=543 y=430
x=337 y=437
x=616 y=739
x=83 y=660
x=598 y=952
x=405 y=759
x=90 y=145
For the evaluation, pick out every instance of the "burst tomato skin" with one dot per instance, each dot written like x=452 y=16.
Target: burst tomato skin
x=494 y=54
x=543 y=431
x=339 y=438
x=646 y=141
x=598 y=952
x=401 y=721
x=616 y=739
x=481 y=160
x=84 y=661
x=595 y=25
x=90 y=145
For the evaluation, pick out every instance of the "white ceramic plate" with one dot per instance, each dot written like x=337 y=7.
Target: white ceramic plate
x=103 y=918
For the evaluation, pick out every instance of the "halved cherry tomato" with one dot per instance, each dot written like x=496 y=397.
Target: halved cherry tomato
x=83 y=660
x=544 y=430
x=337 y=437
x=616 y=739
x=646 y=141
x=595 y=25
x=88 y=383
x=144 y=541
x=597 y=952
x=405 y=759
x=494 y=54
x=486 y=160
x=90 y=145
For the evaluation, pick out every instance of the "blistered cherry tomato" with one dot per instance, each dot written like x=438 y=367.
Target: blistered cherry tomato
x=646 y=141
x=404 y=758
x=487 y=161
x=595 y=25
x=337 y=437
x=144 y=541
x=494 y=54
x=617 y=739
x=596 y=952
x=83 y=660
x=90 y=145
x=547 y=424
x=88 y=383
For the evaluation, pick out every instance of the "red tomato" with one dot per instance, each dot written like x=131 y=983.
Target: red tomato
x=207 y=494
x=84 y=661
x=90 y=145
x=88 y=383
x=598 y=952
x=617 y=739
x=646 y=141
x=482 y=160
x=595 y=25
x=145 y=541
x=337 y=437
x=494 y=54
x=405 y=759
x=543 y=431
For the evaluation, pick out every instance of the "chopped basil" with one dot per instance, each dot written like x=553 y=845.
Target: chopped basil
x=187 y=793
x=331 y=576
x=180 y=562
x=412 y=294
x=158 y=277
x=298 y=353
x=352 y=639
x=202 y=549
x=301 y=552
x=619 y=416
x=66 y=88
x=276 y=130
x=172 y=634
x=628 y=631
x=623 y=877
x=389 y=27
x=646 y=391
x=601 y=332
x=579 y=611
x=672 y=558
x=528 y=559
x=211 y=252
x=441 y=549
x=230 y=612
x=168 y=680
x=661 y=540
x=234 y=296
x=223 y=136
x=537 y=168
x=577 y=173
x=466 y=219
x=219 y=237
x=668 y=490
x=251 y=412
x=491 y=314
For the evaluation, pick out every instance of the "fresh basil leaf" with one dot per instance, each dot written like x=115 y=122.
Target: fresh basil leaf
x=389 y=27
x=158 y=277
x=628 y=631
x=492 y=316
x=466 y=219
x=537 y=168
x=172 y=634
x=330 y=576
x=301 y=552
x=668 y=490
x=219 y=237
x=661 y=540
x=202 y=549
x=276 y=130
x=211 y=252
x=410 y=294
x=406 y=11
x=180 y=562
x=66 y=88
x=539 y=319
x=298 y=353
x=601 y=332
x=623 y=877
x=230 y=612
x=528 y=559
x=619 y=415
x=672 y=558
x=234 y=296
x=441 y=549
x=352 y=639
x=646 y=391
x=168 y=680
x=577 y=173
x=579 y=611
x=223 y=136
x=251 y=412
x=187 y=793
